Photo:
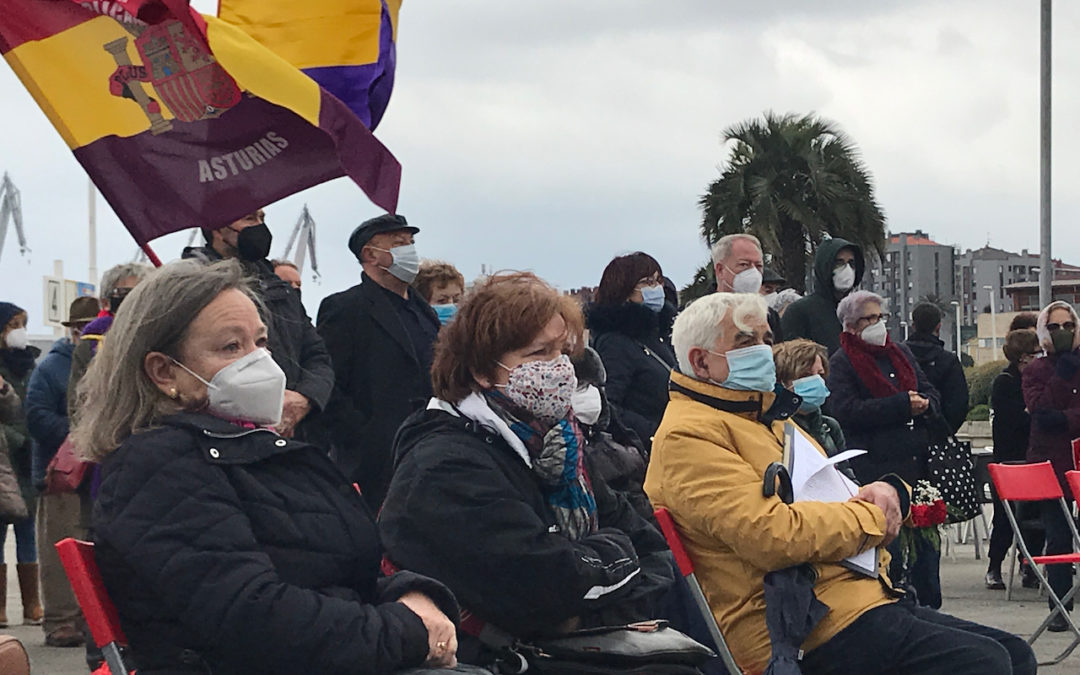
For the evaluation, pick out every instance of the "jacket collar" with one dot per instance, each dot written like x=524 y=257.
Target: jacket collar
x=222 y=442
x=764 y=407
x=476 y=408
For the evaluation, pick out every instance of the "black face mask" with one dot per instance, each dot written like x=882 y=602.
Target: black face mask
x=117 y=297
x=253 y=243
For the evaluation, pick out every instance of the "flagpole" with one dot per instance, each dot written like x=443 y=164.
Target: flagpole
x=92 y=203
x=150 y=254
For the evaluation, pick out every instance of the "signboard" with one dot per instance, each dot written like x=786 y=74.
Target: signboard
x=59 y=294
x=55 y=310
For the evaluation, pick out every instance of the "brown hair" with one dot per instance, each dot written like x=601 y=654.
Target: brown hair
x=434 y=273
x=503 y=313
x=622 y=275
x=1020 y=342
x=1024 y=320
x=795 y=358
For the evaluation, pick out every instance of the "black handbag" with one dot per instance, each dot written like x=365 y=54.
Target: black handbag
x=646 y=647
x=950 y=467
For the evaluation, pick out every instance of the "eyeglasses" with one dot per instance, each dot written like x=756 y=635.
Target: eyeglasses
x=871 y=319
x=1055 y=327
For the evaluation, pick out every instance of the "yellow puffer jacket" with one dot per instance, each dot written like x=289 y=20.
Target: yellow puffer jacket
x=707 y=468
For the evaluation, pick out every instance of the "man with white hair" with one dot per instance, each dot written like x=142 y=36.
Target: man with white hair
x=722 y=429
x=739 y=265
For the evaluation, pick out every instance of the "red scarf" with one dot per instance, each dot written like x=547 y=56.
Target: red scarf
x=863 y=357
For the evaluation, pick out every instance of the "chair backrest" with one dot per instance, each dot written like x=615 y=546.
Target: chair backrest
x=667 y=526
x=1073 y=478
x=78 y=560
x=1025 y=482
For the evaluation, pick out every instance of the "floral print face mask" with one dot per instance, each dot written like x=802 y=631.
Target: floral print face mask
x=544 y=388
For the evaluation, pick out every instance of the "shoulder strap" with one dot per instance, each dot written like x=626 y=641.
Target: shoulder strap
x=655 y=356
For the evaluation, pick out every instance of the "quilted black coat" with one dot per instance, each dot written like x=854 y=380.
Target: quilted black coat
x=231 y=550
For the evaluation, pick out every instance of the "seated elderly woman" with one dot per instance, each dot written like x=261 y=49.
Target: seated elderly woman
x=802 y=366
x=492 y=494
x=720 y=433
x=225 y=547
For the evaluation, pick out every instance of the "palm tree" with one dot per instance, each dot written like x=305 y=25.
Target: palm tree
x=793 y=181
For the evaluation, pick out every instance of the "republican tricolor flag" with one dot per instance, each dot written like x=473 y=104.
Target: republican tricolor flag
x=183 y=120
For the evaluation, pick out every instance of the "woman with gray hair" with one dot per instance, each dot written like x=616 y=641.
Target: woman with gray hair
x=881 y=398
x=1050 y=387
x=225 y=547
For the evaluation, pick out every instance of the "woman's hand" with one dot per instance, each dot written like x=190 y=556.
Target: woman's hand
x=442 y=636
x=919 y=404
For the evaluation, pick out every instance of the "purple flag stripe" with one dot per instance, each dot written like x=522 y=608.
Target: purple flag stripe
x=212 y=172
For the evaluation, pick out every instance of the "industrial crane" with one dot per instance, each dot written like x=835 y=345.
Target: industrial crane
x=304 y=233
x=11 y=209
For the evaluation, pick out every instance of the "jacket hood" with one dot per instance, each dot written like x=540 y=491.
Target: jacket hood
x=630 y=318
x=823 y=266
x=765 y=407
x=922 y=345
x=201 y=253
x=63 y=347
x=1045 y=340
x=98 y=326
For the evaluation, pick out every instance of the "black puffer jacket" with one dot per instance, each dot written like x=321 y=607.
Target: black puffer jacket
x=464 y=508
x=638 y=362
x=236 y=551
x=944 y=371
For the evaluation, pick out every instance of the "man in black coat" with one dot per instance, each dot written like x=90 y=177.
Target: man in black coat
x=293 y=341
x=381 y=336
x=941 y=366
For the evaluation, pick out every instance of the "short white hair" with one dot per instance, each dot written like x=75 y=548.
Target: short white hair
x=722 y=248
x=699 y=324
x=850 y=309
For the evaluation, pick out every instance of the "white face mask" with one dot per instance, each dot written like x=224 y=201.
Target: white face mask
x=18 y=339
x=406 y=262
x=587 y=404
x=251 y=389
x=875 y=334
x=843 y=278
x=770 y=298
x=747 y=281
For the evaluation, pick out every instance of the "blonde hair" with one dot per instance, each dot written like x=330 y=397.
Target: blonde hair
x=699 y=324
x=795 y=358
x=116 y=398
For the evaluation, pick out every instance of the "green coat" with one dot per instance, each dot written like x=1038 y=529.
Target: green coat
x=17 y=435
x=825 y=430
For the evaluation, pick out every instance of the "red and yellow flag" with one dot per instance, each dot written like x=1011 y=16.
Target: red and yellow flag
x=183 y=120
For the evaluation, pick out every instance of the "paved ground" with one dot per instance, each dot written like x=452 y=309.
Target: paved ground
x=961 y=576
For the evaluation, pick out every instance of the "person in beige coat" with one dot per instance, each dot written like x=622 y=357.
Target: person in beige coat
x=719 y=434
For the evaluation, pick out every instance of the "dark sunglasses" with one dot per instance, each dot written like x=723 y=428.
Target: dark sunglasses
x=1055 y=327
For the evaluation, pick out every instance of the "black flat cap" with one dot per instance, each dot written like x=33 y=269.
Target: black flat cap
x=388 y=222
x=770 y=276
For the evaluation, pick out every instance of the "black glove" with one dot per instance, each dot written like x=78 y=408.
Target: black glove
x=1053 y=421
x=1067 y=365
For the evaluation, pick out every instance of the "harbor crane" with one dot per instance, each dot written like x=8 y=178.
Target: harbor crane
x=11 y=210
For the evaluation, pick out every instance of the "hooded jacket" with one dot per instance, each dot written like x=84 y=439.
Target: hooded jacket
x=638 y=361
x=464 y=507
x=1051 y=385
x=46 y=406
x=232 y=550
x=814 y=316
x=709 y=458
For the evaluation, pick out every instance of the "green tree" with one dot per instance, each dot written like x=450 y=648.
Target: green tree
x=792 y=181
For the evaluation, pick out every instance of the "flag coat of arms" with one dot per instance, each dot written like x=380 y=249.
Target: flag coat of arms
x=183 y=120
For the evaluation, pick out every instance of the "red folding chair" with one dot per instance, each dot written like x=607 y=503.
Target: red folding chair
x=1037 y=483
x=81 y=568
x=686 y=568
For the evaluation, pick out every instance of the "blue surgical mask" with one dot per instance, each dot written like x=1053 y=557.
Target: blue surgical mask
x=750 y=369
x=446 y=312
x=813 y=391
x=653 y=297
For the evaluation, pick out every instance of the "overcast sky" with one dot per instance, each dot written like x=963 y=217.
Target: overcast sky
x=553 y=136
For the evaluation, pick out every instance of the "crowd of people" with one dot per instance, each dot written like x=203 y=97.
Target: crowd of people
x=432 y=473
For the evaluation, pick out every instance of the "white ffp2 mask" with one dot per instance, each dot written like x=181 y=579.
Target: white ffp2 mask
x=587 y=404
x=18 y=339
x=875 y=334
x=251 y=389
